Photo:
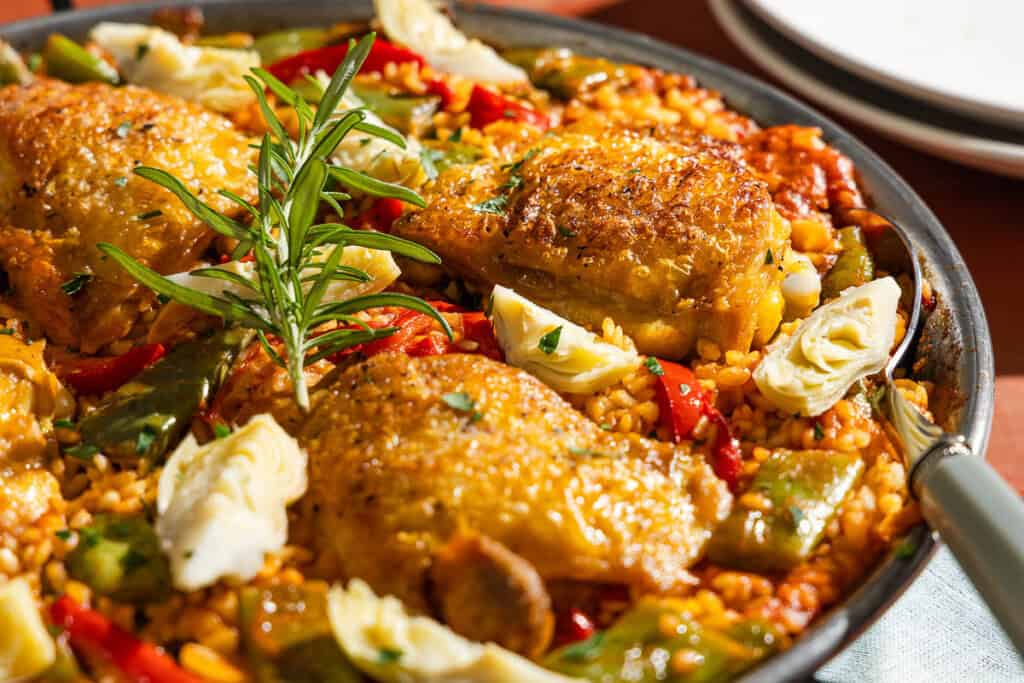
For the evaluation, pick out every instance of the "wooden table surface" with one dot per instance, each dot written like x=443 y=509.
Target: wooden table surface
x=983 y=212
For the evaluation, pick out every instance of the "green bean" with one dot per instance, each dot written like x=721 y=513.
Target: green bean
x=67 y=60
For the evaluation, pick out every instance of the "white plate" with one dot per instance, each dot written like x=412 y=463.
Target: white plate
x=954 y=139
x=965 y=55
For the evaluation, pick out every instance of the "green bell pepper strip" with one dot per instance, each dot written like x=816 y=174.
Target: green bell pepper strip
x=277 y=45
x=853 y=268
x=287 y=635
x=804 y=490
x=411 y=114
x=12 y=67
x=145 y=416
x=120 y=557
x=67 y=60
x=639 y=649
x=563 y=73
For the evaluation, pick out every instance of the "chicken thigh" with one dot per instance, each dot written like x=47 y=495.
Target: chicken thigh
x=676 y=241
x=66 y=159
x=407 y=452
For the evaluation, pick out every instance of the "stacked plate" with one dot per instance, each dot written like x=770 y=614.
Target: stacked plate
x=942 y=76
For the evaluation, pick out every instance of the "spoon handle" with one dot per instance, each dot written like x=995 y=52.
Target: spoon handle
x=981 y=519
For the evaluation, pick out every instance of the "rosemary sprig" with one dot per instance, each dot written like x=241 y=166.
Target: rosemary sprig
x=284 y=298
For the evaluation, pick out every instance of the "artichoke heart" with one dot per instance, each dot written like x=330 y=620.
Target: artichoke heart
x=385 y=642
x=574 y=361
x=838 y=344
x=422 y=28
x=222 y=506
x=157 y=59
x=26 y=648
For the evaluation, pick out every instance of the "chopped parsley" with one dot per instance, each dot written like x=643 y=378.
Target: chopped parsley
x=388 y=655
x=654 y=366
x=819 y=433
x=162 y=298
x=7 y=330
x=63 y=534
x=769 y=258
x=463 y=403
x=141 y=51
x=575 y=450
x=459 y=400
x=75 y=284
x=145 y=439
x=428 y=159
x=606 y=427
x=496 y=206
x=516 y=165
x=63 y=424
x=149 y=214
x=34 y=62
x=510 y=113
x=565 y=232
x=221 y=430
x=549 y=342
x=633 y=171
x=456 y=135
x=83 y=451
x=121 y=181
x=122 y=130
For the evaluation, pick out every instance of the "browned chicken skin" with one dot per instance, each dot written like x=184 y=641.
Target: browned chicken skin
x=66 y=159
x=667 y=238
x=396 y=471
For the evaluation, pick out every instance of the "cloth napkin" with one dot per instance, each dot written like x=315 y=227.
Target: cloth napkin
x=940 y=630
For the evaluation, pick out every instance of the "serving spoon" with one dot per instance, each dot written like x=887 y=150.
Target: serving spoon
x=977 y=514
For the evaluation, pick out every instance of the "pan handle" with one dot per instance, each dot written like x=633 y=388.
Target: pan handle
x=981 y=518
x=62 y=5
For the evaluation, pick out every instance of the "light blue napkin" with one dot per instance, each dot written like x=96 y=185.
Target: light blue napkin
x=938 y=631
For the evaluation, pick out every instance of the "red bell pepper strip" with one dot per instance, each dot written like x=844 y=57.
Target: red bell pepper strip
x=139 y=661
x=438 y=87
x=681 y=403
x=97 y=375
x=486 y=106
x=726 y=458
x=680 y=399
x=478 y=328
x=327 y=59
x=431 y=345
x=410 y=324
x=381 y=215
